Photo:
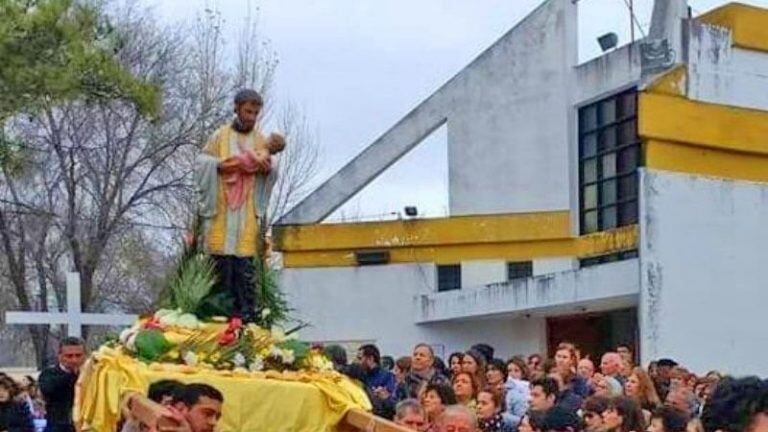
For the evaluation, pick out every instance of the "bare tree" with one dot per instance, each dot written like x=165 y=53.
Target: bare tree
x=298 y=165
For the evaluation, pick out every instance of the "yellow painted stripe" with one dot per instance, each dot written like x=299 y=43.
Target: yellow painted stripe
x=706 y=161
x=675 y=119
x=425 y=232
x=748 y=24
x=672 y=83
x=591 y=245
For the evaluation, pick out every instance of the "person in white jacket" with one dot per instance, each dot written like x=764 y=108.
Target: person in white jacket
x=517 y=391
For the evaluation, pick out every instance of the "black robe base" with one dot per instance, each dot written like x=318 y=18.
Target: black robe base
x=235 y=276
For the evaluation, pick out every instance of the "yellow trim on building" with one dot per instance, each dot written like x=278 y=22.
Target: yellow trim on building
x=675 y=119
x=426 y=232
x=688 y=159
x=748 y=24
x=509 y=250
x=672 y=83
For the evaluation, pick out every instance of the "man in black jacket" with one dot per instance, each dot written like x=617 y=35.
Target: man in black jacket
x=57 y=383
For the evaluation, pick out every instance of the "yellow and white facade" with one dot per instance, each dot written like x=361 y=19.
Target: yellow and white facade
x=635 y=182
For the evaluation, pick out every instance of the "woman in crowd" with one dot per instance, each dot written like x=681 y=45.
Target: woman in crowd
x=14 y=415
x=593 y=410
x=436 y=397
x=639 y=387
x=474 y=363
x=517 y=391
x=30 y=395
x=465 y=388
x=534 y=367
x=489 y=408
x=401 y=369
x=623 y=415
x=678 y=377
x=454 y=362
x=495 y=375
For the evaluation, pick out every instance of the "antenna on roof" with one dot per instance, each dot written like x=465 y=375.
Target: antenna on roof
x=633 y=19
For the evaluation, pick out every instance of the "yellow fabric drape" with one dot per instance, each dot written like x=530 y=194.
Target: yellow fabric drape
x=253 y=401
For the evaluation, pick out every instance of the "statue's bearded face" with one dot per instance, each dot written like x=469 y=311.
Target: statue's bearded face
x=247 y=113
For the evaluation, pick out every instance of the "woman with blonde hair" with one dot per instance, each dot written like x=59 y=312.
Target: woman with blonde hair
x=639 y=387
x=465 y=388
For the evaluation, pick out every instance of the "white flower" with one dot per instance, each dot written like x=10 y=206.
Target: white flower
x=190 y=358
x=265 y=313
x=278 y=334
x=276 y=352
x=125 y=334
x=257 y=364
x=238 y=360
x=288 y=357
x=131 y=342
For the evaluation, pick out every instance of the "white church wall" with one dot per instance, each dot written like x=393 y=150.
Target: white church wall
x=703 y=272
x=721 y=74
x=603 y=287
x=508 y=119
x=544 y=266
x=376 y=304
x=476 y=274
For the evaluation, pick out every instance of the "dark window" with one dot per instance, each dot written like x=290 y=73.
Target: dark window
x=448 y=277
x=609 y=154
x=517 y=270
x=612 y=257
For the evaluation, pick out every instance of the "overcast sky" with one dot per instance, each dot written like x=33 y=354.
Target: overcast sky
x=357 y=66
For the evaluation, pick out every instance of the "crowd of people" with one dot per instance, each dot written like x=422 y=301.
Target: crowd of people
x=472 y=392
x=475 y=391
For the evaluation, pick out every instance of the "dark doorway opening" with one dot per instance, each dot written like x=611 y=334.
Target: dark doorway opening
x=594 y=333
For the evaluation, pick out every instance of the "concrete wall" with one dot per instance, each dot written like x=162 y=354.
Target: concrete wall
x=703 y=266
x=603 y=287
x=545 y=266
x=508 y=128
x=721 y=74
x=475 y=274
x=376 y=304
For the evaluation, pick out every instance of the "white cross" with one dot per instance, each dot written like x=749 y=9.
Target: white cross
x=73 y=318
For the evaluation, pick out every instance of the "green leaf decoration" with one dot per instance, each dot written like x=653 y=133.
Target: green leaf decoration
x=151 y=345
x=193 y=283
x=300 y=349
x=269 y=297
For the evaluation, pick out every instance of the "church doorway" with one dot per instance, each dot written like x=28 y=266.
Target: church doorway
x=594 y=333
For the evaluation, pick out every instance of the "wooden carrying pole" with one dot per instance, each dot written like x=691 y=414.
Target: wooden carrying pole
x=159 y=418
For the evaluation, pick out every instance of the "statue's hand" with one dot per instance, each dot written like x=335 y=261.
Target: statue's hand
x=275 y=143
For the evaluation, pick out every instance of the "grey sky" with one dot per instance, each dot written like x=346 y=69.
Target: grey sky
x=358 y=66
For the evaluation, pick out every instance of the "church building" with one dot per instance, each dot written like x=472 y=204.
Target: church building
x=622 y=200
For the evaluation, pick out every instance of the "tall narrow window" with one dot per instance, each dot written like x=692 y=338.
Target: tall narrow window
x=609 y=154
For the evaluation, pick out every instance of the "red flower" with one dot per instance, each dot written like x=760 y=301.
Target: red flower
x=153 y=324
x=227 y=338
x=235 y=324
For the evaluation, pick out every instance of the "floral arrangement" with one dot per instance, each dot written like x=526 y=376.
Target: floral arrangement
x=170 y=337
x=190 y=330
